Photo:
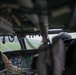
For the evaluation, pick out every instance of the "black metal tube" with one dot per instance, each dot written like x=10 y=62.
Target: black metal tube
x=22 y=42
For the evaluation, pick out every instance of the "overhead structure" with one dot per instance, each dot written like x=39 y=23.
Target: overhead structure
x=25 y=15
x=6 y=27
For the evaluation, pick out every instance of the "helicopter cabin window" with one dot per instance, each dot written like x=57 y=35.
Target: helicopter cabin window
x=33 y=42
x=8 y=43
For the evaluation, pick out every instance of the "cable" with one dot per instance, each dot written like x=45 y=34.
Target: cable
x=3 y=40
x=11 y=38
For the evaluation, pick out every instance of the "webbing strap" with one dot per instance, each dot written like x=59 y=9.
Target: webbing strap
x=73 y=19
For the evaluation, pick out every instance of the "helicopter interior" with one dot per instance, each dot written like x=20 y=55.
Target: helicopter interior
x=36 y=17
